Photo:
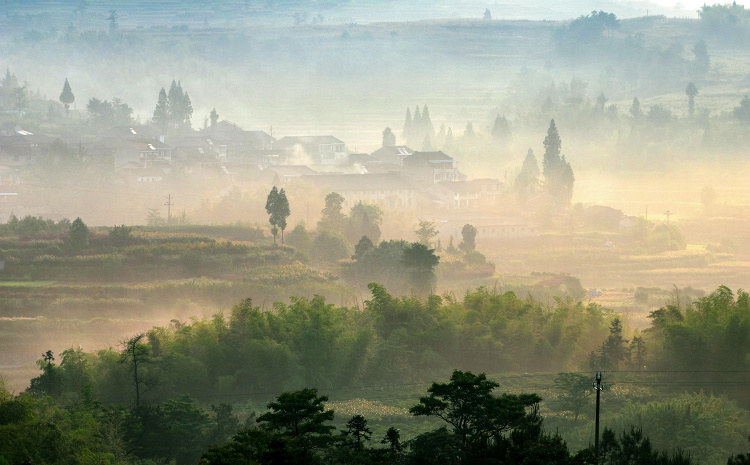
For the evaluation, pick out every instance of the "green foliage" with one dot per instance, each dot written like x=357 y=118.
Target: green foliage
x=426 y=231
x=121 y=235
x=328 y=247
x=363 y=246
x=332 y=219
x=704 y=427
x=66 y=96
x=421 y=261
x=78 y=236
x=364 y=220
x=468 y=241
x=277 y=207
x=557 y=171
x=300 y=239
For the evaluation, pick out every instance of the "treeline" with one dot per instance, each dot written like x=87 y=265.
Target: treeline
x=471 y=424
x=250 y=352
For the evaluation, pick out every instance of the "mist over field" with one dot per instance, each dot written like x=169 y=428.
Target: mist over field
x=421 y=228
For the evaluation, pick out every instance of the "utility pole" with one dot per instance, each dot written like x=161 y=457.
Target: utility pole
x=169 y=209
x=598 y=387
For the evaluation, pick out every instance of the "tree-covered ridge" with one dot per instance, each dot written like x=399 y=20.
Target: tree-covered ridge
x=249 y=352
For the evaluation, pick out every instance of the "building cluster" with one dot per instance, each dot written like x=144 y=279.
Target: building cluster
x=393 y=177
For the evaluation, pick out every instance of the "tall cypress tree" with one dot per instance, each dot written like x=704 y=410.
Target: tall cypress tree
x=161 y=112
x=67 y=97
x=407 y=125
x=552 y=147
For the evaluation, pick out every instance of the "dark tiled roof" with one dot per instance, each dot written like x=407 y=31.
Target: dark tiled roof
x=418 y=158
x=290 y=141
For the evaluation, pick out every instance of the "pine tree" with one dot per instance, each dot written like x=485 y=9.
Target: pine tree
x=530 y=165
x=67 y=97
x=161 y=112
x=469 y=134
x=635 y=108
x=427 y=144
x=214 y=117
x=440 y=138
x=449 y=141
x=427 y=126
x=501 y=129
x=174 y=104
x=417 y=133
x=552 y=147
x=408 y=125
x=187 y=111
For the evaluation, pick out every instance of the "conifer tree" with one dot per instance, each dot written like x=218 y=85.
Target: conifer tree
x=407 y=126
x=67 y=97
x=427 y=144
x=427 y=126
x=161 y=112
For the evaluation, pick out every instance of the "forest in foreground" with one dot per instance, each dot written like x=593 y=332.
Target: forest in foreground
x=220 y=386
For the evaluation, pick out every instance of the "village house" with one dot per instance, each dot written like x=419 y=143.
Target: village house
x=392 y=154
x=427 y=168
x=312 y=150
x=388 y=190
x=227 y=133
x=141 y=153
x=488 y=226
x=20 y=148
x=476 y=193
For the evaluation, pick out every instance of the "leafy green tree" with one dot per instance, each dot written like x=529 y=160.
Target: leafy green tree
x=364 y=220
x=475 y=415
x=691 y=92
x=300 y=238
x=66 y=96
x=363 y=246
x=78 y=236
x=389 y=138
x=421 y=260
x=468 y=238
x=332 y=218
x=426 y=231
x=328 y=247
x=277 y=207
x=573 y=392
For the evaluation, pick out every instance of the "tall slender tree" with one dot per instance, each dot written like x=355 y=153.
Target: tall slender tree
x=161 y=112
x=67 y=97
